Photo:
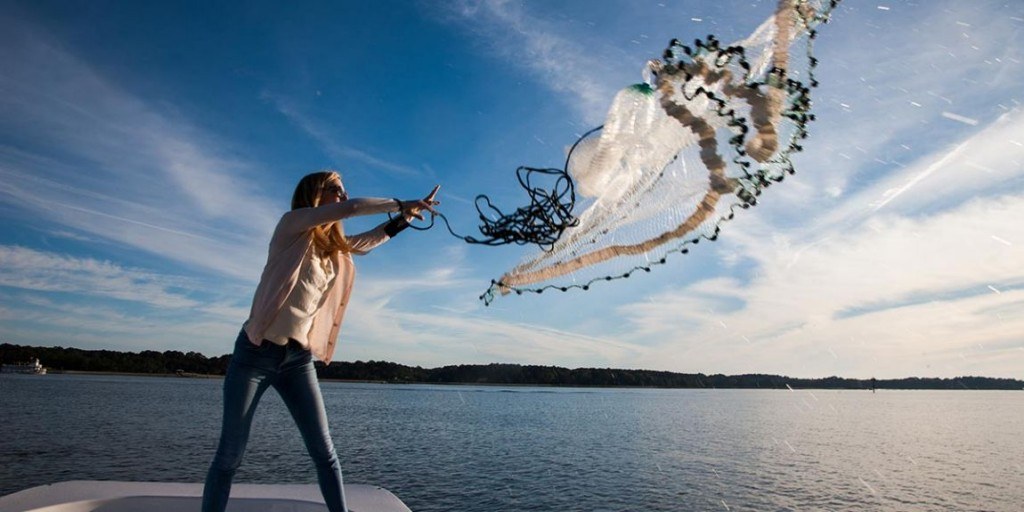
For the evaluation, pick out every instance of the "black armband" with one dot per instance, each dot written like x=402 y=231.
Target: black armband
x=395 y=226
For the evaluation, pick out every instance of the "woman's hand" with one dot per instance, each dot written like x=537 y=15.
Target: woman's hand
x=413 y=209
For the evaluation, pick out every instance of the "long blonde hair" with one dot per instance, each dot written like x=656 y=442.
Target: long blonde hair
x=329 y=239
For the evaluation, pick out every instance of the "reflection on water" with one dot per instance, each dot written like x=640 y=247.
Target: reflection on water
x=466 y=448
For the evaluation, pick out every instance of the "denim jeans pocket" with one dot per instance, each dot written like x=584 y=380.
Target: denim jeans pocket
x=243 y=342
x=262 y=348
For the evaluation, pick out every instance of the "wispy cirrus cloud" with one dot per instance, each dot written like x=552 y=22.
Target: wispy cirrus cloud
x=987 y=163
x=34 y=270
x=328 y=142
x=171 y=233
x=545 y=50
x=122 y=169
x=51 y=298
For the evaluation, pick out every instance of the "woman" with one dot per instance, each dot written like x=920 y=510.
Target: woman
x=296 y=315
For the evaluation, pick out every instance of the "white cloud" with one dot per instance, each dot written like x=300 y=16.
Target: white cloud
x=547 y=51
x=175 y=234
x=987 y=161
x=34 y=270
x=57 y=299
x=69 y=235
x=123 y=170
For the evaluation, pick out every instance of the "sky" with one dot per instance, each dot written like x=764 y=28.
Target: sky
x=147 y=150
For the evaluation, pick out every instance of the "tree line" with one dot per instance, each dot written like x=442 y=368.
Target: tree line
x=58 y=359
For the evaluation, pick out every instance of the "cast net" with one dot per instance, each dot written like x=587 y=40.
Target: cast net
x=707 y=130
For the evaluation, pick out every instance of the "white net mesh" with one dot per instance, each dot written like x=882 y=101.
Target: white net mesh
x=709 y=129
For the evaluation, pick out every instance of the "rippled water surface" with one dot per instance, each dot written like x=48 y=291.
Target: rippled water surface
x=481 y=449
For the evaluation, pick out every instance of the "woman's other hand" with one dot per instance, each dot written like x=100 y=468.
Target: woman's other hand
x=414 y=209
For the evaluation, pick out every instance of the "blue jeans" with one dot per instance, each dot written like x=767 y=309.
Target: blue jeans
x=289 y=369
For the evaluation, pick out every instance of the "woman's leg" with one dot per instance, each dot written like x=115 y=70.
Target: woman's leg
x=243 y=387
x=300 y=391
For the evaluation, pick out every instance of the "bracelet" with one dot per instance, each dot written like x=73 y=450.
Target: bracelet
x=395 y=226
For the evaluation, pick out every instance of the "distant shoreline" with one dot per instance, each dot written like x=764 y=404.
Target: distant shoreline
x=172 y=363
x=515 y=385
x=187 y=375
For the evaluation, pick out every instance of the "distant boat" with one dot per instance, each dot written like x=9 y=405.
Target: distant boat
x=32 y=367
x=90 y=496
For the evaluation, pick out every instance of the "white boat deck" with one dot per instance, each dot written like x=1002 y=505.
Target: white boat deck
x=95 y=496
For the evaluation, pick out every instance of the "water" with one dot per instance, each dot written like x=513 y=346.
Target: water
x=477 y=449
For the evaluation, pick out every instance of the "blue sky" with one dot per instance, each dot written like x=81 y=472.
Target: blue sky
x=147 y=149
